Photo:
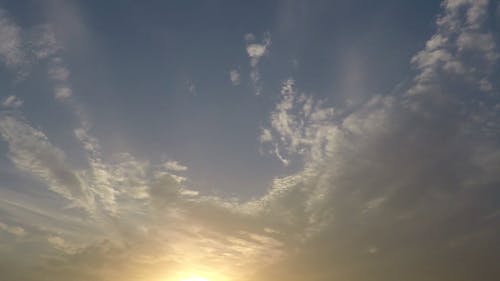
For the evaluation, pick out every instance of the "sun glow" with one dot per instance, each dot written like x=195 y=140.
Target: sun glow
x=194 y=278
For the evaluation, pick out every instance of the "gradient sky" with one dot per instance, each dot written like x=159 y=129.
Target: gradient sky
x=249 y=141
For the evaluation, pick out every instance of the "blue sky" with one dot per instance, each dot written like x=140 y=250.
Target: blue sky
x=254 y=140
x=137 y=61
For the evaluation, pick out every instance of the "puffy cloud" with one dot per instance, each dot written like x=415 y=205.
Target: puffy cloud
x=462 y=45
x=255 y=52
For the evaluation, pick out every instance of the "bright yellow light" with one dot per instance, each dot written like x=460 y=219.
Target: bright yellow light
x=194 y=278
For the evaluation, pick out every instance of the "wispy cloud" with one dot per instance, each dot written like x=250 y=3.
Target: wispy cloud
x=10 y=40
x=21 y=48
x=30 y=151
x=234 y=76
x=375 y=178
x=173 y=165
x=62 y=93
x=12 y=102
x=14 y=230
x=44 y=41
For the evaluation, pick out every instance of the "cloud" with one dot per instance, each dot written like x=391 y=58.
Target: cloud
x=44 y=41
x=396 y=186
x=255 y=52
x=173 y=165
x=63 y=92
x=249 y=37
x=299 y=124
x=462 y=46
x=30 y=151
x=12 y=102
x=10 y=41
x=20 y=49
x=57 y=71
x=396 y=174
x=60 y=244
x=14 y=230
x=47 y=46
x=234 y=76
x=191 y=87
x=167 y=221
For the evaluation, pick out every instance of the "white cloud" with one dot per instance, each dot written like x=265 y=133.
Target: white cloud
x=234 y=76
x=257 y=50
x=12 y=102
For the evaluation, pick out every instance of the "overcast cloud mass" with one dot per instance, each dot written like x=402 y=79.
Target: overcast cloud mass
x=269 y=140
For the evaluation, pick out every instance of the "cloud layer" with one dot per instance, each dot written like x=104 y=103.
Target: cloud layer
x=401 y=186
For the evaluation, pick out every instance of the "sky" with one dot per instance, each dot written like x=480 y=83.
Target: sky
x=249 y=140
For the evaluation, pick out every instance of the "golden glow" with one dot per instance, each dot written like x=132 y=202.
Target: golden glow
x=194 y=278
x=198 y=273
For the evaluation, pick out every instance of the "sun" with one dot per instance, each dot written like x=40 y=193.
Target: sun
x=194 y=278
x=198 y=273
